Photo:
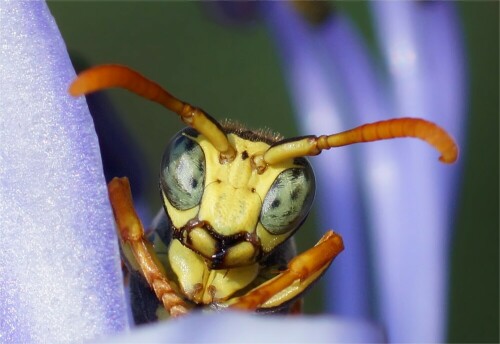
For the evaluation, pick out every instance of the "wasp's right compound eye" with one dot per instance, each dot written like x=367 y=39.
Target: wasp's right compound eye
x=183 y=172
x=289 y=200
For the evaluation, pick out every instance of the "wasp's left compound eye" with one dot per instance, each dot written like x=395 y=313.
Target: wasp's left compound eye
x=289 y=200
x=183 y=172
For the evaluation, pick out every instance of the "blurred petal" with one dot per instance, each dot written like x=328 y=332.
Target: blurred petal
x=60 y=277
x=227 y=327
x=320 y=104
x=445 y=60
x=410 y=195
x=241 y=12
x=368 y=102
x=411 y=222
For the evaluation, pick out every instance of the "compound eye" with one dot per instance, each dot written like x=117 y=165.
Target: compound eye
x=289 y=200
x=183 y=172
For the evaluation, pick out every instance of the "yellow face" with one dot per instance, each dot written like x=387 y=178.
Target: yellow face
x=228 y=212
x=232 y=197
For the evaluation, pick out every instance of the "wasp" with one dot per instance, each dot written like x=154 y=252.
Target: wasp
x=232 y=200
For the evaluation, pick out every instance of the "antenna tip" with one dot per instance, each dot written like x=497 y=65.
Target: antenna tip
x=450 y=156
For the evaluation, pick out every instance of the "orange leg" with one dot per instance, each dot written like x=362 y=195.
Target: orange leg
x=302 y=270
x=131 y=233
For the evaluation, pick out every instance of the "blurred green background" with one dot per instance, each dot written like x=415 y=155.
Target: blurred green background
x=234 y=72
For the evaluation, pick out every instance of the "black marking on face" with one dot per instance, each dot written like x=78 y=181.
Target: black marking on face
x=223 y=243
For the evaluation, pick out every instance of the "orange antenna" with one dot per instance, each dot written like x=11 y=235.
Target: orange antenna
x=383 y=130
x=108 y=76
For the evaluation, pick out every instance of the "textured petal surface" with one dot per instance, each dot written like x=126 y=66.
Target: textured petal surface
x=60 y=277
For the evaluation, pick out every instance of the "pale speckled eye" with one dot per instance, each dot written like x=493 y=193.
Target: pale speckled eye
x=183 y=172
x=289 y=200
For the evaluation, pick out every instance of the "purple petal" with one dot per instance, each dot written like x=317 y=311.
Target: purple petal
x=412 y=220
x=444 y=55
x=409 y=193
x=320 y=105
x=60 y=277
x=230 y=327
x=366 y=101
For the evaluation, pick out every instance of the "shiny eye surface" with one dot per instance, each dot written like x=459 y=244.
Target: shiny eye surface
x=183 y=172
x=289 y=200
